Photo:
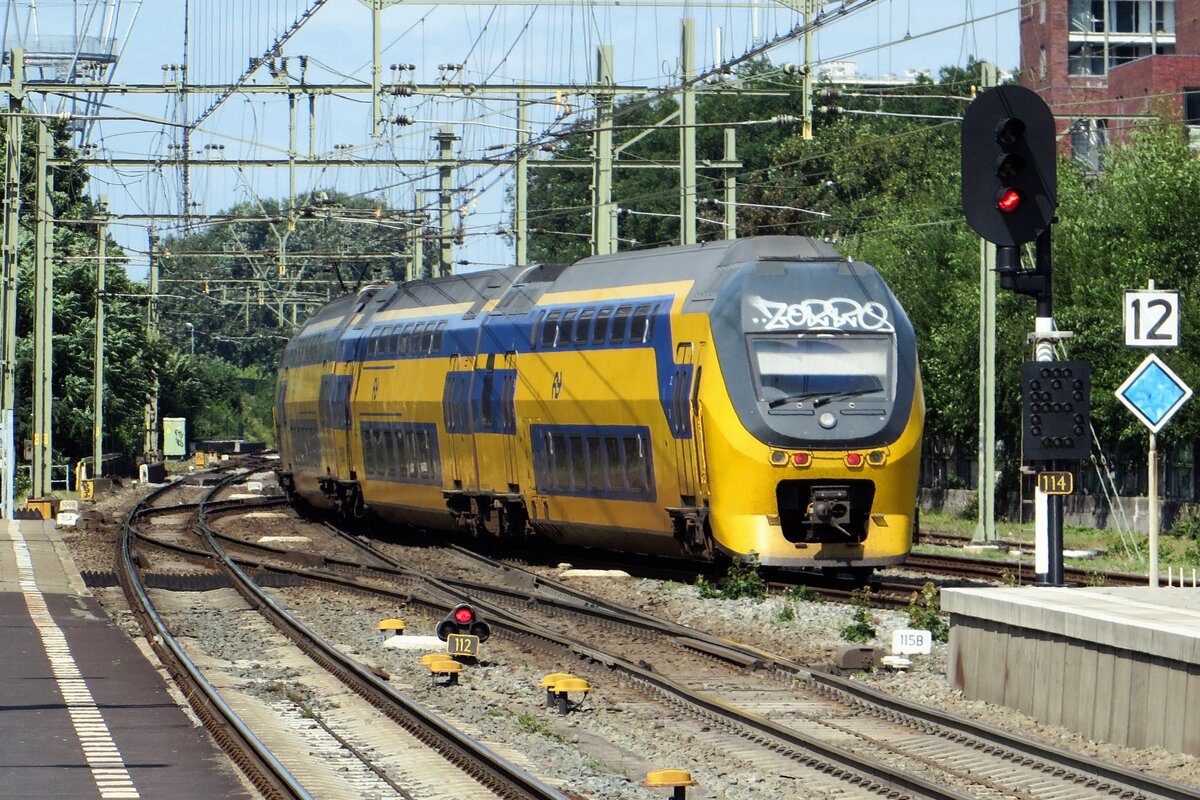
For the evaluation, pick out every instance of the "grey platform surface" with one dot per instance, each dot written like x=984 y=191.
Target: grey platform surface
x=1119 y=664
x=84 y=714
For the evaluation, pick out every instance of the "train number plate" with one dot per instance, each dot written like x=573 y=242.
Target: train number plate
x=461 y=644
x=1056 y=482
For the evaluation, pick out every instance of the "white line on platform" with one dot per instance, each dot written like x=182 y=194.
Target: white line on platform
x=99 y=748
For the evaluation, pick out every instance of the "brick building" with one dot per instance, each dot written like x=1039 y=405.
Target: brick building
x=1103 y=65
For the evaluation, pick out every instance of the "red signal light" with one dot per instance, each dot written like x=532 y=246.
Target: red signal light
x=1009 y=200
x=854 y=459
x=463 y=615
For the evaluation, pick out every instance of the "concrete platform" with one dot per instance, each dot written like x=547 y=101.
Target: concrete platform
x=1118 y=665
x=84 y=713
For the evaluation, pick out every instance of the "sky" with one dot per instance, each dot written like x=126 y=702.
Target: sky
x=496 y=45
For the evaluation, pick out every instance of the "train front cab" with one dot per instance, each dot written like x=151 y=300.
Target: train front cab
x=814 y=449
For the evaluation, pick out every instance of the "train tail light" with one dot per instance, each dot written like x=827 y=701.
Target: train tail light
x=876 y=458
x=801 y=459
x=854 y=459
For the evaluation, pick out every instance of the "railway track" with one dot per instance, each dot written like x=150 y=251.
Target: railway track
x=760 y=703
x=417 y=755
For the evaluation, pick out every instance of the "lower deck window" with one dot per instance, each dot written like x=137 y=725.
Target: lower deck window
x=607 y=461
x=406 y=452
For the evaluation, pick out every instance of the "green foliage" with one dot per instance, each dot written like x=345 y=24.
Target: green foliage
x=804 y=594
x=741 y=580
x=925 y=612
x=786 y=613
x=861 y=627
x=530 y=724
x=1186 y=527
x=970 y=509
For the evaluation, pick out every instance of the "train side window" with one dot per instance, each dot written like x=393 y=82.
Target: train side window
x=600 y=332
x=566 y=332
x=401 y=454
x=379 y=443
x=393 y=345
x=595 y=464
x=534 y=334
x=410 y=454
x=550 y=329
x=508 y=412
x=620 y=321
x=560 y=464
x=427 y=339
x=404 y=337
x=615 y=463
x=635 y=463
x=439 y=334
x=583 y=325
x=368 y=456
x=378 y=465
x=639 y=325
x=448 y=405
x=422 y=443
x=578 y=463
x=372 y=343
x=487 y=400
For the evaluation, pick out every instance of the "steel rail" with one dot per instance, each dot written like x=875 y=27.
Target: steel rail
x=261 y=767
x=990 y=736
x=491 y=769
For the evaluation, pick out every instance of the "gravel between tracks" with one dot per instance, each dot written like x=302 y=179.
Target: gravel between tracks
x=600 y=753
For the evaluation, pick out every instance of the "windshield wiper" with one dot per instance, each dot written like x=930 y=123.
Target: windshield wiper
x=822 y=397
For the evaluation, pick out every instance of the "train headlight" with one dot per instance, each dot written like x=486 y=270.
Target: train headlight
x=854 y=459
x=779 y=458
x=801 y=459
x=876 y=458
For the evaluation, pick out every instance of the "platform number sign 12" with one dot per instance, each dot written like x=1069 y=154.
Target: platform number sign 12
x=1152 y=319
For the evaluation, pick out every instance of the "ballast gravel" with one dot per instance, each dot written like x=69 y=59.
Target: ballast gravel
x=605 y=749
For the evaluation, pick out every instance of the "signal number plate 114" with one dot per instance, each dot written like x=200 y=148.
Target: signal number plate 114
x=1056 y=482
x=461 y=644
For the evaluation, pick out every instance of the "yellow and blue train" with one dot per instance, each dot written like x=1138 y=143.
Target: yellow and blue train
x=754 y=395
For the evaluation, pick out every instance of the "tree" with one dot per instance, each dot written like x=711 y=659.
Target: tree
x=131 y=358
x=244 y=286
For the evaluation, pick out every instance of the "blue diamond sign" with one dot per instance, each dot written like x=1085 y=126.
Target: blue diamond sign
x=1153 y=393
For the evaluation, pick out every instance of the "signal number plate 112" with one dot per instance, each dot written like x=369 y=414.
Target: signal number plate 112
x=1056 y=482
x=461 y=644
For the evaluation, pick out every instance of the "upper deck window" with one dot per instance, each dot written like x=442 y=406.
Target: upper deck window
x=583 y=325
x=600 y=331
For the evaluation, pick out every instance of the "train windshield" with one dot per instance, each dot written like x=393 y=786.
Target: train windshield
x=823 y=367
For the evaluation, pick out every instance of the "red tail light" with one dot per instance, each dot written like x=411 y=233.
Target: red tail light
x=854 y=459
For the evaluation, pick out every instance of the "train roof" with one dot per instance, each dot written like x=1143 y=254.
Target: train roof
x=692 y=262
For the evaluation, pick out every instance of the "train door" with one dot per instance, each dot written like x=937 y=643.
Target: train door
x=508 y=415
x=683 y=415
x=456 y=407
x=334 y=411
x=684 y=379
